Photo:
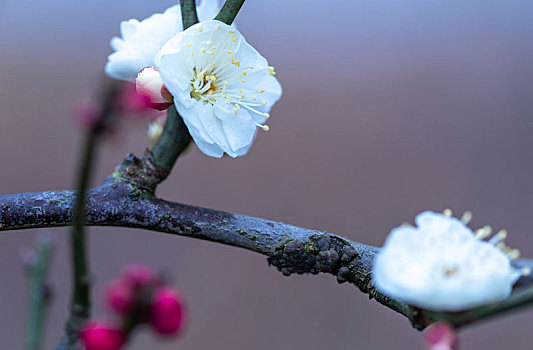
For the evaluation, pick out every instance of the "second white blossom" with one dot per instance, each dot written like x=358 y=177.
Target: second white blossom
x=442 y=265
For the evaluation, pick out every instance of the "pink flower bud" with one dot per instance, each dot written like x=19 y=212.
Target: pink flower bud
x=139 y=276
x=440 y=336
x=101 y=336
x=130 y=101
x=168 y=312
x=120 y=296
x=149 y=82
x=86 y=114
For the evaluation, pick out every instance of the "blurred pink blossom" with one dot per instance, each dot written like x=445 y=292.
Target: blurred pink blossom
x=440 y=336
x=99 y=335
x=168 y=312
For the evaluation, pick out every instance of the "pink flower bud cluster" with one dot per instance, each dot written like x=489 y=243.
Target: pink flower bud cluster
x=137 y=297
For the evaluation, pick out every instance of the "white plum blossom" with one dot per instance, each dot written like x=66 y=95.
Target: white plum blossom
x=222 y=87
x=141 y=40
x=442 y=265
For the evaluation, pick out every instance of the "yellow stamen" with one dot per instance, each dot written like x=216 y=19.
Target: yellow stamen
x=467 y=217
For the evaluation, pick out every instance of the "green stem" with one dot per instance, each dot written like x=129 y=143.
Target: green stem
x=81 y=289
x=80 y=300
x=229 y=11
x=39 y=292
x=173 y=141
x=519 y=298
x=188 y=13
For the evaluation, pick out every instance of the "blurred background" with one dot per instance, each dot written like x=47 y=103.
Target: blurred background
x=389 y=108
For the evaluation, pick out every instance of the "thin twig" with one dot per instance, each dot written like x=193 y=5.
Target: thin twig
x=40 y=293
x=80 y=299
x=229 y=11
x=189 y=16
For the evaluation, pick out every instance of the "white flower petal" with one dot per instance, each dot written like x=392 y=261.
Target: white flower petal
x=142 y=40
x=239 y=130
x=440 y=265
x=210 y=149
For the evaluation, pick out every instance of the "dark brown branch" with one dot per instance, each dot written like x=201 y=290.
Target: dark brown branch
x=126 y=199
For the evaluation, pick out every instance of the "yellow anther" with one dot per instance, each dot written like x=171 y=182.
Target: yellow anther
x=218 y=26
x=446 y=212
x=212 y=64
x=502 y=234
x=261 y=90
x=483 y=232
x=237 y=106
x=214 y=47
x=263 y=103
x=211 y=53
x=213 y=78
x=229 y=52
x=265 y=127
x=234 y=38
x=242 y=96
x=231 y=31
x=241 y=91
x=203 y=50
x=467 y=217
x=209 y=42
x=514 y=254
x=244 y=73
x=200 y=29
x=192 y=53
x=226 y=83
x=266 y=115
x=243 y=81
x=188 y=44
x=254 y=97
x=526 y=271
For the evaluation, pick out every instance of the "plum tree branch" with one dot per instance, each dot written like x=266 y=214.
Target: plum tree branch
x=124 y=200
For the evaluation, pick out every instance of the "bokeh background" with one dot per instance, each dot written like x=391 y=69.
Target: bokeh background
x=389 y=108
